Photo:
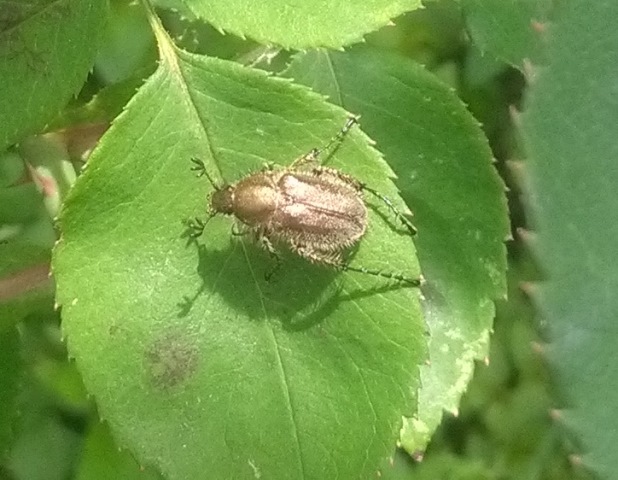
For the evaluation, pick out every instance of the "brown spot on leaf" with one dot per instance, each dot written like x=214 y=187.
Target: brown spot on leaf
x=171 y=359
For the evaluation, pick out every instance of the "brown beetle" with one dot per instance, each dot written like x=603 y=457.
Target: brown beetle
x=317 y=212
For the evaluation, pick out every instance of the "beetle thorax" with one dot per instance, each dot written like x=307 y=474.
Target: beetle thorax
x=255 y=199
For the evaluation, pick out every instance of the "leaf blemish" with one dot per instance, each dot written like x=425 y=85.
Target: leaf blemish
x=171 y=359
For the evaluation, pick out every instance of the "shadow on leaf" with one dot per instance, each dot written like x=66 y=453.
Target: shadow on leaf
x=299 y=294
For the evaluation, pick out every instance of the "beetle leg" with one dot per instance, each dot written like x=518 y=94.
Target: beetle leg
x=268 y=167
x=312 y=157
x=198 y=166
x=265 y=242
x=335 y=142
x=237 y=232
x=415 y=282
x=394 y=210
x=354 y=183
x=195 y=227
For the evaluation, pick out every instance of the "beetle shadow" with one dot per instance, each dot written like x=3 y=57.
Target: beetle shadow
x=299 y=294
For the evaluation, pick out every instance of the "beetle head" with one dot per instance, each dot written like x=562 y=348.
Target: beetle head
x=222 y=200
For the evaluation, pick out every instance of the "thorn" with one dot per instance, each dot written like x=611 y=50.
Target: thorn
x=576 y=460
x=528 y=237
x=515 y=115
x=538 y=348
x=530 y=71
x=555 y=414
x=529 y=288
x=517 y=169
x=537 y=26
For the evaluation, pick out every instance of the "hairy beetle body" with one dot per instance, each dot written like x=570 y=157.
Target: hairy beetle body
x=317 y=212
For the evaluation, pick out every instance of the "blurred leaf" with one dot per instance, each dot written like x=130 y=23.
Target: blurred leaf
x=430 y=35
x=28 y=292
x=19 y=204
x=458 y=202
x=46 y=444
x=304 y=375
x=10 y=373
x=569 y=130
x=104 y=106
x=509 y=29
x=46 y=50
x=26 y=239
x=127 y=44
x=102 y=459
x=401 y=467
x=12 y=168
x=309 y=23
x=63 y=379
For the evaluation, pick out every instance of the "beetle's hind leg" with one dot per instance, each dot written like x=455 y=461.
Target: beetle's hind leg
x=389 y=204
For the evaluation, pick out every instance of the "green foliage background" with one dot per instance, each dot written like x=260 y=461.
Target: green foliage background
x=147 y=356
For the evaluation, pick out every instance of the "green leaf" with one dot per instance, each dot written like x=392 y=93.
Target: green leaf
x=102 y=459
x=46 y=446
x=304 y=24
x=569 y=127
x=46 y=50
x=511 y=30
x=457 y=199
x=26 y=239
x=10 y=373
x=306 y=375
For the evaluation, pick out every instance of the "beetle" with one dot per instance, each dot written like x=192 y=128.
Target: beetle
x=317 y=212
